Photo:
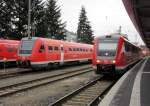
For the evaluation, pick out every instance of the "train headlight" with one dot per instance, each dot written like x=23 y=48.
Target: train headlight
x=98 y=61
x=144 y=52
x=113 y=61
x=5 y=59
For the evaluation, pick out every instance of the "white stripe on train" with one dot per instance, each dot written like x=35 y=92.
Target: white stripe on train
x=46 y=62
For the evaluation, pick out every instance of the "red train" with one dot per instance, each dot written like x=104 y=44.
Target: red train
x=42 y=52
x=113 y=54
x=8 y=50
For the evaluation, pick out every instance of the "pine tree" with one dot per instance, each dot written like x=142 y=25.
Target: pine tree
x=89 y=34
x=55 y=27
x=20 y=18
x=21 y=14
x=38 y=18
x=6 y=7
x=84 y=31
x=14 y=18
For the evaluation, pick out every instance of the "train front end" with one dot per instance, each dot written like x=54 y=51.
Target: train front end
x=105 y=50
x=32 y=53
x=8 y=51
x=25 y=52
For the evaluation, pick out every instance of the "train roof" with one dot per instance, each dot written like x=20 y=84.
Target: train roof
x=48 y=39
x=9 y=41
x=115 y=36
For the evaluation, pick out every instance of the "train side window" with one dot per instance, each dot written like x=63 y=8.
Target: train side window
x=56 y=48
x=61 y=48
x=127 y=47
x=70 y=49
x=50 y=48
x=42 y=48
x=80 y=49
x=90 y=50
x=134 y=49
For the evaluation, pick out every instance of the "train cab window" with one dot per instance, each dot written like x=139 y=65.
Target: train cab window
x=56 y=48
x=42 y=48
x=127 y=47
x=80 y=49
x=74 y=49
x=77 y=49
x=50 y=48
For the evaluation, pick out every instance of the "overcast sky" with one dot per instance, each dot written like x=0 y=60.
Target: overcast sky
x=105 y=16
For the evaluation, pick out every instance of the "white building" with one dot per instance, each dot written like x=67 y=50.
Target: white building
x=71 y=36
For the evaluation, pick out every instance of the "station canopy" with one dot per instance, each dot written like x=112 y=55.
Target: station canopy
x=139 y=13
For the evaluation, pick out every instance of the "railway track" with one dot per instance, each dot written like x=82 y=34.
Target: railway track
x=23 y=86
x=87 y=95
x=14 y=72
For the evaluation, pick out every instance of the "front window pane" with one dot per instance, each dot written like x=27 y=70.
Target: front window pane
x=107 y=46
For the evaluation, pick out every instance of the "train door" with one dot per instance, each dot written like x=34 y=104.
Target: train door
x=42 y=53
x=61 y=54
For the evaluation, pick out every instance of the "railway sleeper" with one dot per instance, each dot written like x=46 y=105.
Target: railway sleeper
x=85 y=96
x=76 y=103
x=91 y=91
x=88 y=94
x=66 y=105
x=80 y=99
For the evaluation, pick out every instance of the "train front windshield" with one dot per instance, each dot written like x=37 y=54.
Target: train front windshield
x=26 y=47
x=107 y=47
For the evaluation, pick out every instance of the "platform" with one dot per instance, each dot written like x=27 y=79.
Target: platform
x=132 y=89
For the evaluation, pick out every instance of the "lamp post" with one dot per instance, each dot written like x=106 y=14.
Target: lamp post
x=29 y=19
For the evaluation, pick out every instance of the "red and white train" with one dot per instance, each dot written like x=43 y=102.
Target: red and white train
x=113 y=54
x=8 y=50
x=42 y=52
